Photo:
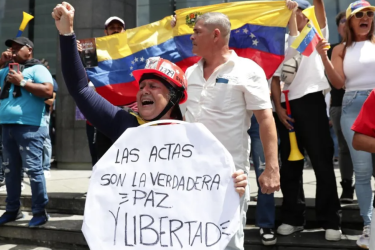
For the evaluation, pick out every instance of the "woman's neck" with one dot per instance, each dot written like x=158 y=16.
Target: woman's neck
x=361 y=38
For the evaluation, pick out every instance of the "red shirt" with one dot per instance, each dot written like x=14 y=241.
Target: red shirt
x=365 y=122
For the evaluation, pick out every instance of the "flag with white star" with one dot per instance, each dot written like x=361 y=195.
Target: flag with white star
x=258 y=30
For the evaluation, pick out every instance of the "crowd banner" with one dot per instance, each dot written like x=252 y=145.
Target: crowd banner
x=162 y=187
x=258 y=33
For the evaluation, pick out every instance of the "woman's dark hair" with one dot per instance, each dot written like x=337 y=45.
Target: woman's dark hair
x=176 y=113
x=339 y=17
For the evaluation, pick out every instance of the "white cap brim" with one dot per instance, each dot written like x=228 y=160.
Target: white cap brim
x=114 y=18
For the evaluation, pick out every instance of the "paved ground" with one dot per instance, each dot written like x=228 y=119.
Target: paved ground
x=309 y=183
x=23 y=247
x=75 y=183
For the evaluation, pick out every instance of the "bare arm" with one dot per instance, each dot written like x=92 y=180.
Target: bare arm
x=44 y=90
x=276 y=97
x=292 y=25
x=276 y=91
x=270 y=179
x=364 y=143
x=50 y=101
x=320 y=13
x=293 y=33
x=335 y=68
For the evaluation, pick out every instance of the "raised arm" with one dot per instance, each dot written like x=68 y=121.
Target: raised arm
x=103 y=115
x=292 y=25
x=320 y=13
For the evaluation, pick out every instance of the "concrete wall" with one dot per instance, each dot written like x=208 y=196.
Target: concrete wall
x=149 y=11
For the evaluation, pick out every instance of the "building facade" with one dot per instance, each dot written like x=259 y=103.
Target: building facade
x=71 y=147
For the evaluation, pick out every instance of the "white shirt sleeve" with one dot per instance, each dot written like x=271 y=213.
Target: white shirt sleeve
x=256 y=91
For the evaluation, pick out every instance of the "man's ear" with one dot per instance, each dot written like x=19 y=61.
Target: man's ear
x=105 y=32
x=30 y=51
x=217 y=34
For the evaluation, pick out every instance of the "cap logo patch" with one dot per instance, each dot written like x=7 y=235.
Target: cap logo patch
x=168 y=71
x=152 y=63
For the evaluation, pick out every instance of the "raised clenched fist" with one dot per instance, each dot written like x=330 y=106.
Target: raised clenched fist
x=64 y=15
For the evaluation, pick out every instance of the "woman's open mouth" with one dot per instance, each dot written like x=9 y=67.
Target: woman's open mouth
x=147 y=102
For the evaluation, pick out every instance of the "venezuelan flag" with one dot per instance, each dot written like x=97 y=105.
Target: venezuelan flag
x=120 y=54
x=257 y=31
x=310 y=35
x=307 y=40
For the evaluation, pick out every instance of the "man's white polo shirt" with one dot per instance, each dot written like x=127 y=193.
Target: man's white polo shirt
x=224 y=102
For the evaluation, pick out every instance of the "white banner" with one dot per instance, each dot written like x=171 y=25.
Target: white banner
x=162 y=187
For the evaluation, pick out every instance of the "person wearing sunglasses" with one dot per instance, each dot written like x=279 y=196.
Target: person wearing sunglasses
x=352 y=67
x=344 y=159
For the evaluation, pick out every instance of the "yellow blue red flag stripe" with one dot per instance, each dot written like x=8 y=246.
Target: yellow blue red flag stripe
x=307 y=40
x=258 y=33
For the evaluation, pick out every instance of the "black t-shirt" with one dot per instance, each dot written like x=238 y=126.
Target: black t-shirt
x=336 y=94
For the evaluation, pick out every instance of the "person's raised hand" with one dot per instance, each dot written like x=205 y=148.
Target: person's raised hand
x=291 y=5
x=64 y=16
x=6 y=56
x=322 y=47
x=79 y=46
x=173 y=21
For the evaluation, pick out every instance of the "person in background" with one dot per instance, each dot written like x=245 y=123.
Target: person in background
x=265 y=212
x=345 y=161
x=352 y=66
x=47 y=145
x=311 y=127
x=98 y=142
x=24 y=90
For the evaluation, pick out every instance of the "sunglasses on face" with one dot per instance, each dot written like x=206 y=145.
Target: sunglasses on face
x=361 y=14
x=342 y=21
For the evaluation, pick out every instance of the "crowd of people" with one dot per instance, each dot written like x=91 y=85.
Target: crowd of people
x=230 y=95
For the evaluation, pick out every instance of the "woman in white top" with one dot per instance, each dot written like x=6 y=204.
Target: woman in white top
x=353 y=67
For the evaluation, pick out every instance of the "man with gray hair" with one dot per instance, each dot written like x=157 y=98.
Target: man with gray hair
x=224 y=90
